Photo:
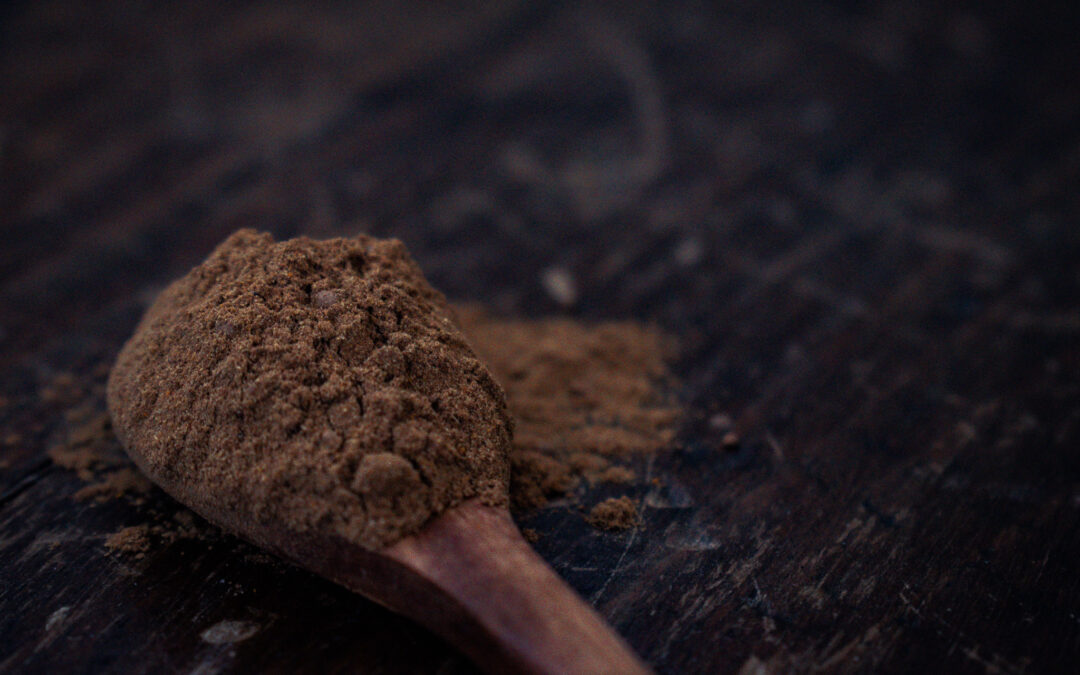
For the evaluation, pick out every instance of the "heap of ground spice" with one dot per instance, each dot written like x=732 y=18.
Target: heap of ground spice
x=617 y=513
x=133 y=540
x=316 y=384
x=582 y=397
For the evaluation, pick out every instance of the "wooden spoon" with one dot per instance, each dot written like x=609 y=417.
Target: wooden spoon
x=468 y=575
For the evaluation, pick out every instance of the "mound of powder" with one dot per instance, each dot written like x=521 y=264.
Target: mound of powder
x=318 y=384
x=617 y=513
x=134 y=540
x=582 y=396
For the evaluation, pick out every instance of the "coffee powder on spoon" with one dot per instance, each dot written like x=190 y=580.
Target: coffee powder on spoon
x=318 y=384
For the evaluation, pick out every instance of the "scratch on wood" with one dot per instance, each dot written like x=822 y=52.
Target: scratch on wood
x=994 y=664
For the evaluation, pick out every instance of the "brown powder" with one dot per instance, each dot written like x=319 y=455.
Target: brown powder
x=131 y=540
x=91 y=451
x=87 y=445
x=140 y=539
x=115 y=484
x=62 y=388
x=582 y=396
x=614 y=474
x=617 y=513
x=321 y=385
x=535 y=478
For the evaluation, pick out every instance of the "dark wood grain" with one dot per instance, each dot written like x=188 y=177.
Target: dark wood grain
x=862 y=221
x=470 y=577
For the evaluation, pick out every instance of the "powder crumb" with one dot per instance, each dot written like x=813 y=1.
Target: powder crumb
x=616 y=474
x=133 y=540
x=531 y=535
x=185 y=518
x=63 y=388
x=617 y=513
x=88 y=445
x=80 y=460
x=115 y=484
x=587 y=464
x=535 y=478
x=94 y=429
x=140 y=539
x=90 y=449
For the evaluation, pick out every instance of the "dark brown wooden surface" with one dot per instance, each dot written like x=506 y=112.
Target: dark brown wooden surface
x=862 y=220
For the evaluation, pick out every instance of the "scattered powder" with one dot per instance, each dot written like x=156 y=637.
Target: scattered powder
x=139 y=539
x=91 y=450
x=133 y=540
x=88 y=446
x=617 y=513
x=531 y=535
x=615 y=474
x=62 y=388
x=115 y=484
x=582 y=397
x=319 y=384
x=535 y=478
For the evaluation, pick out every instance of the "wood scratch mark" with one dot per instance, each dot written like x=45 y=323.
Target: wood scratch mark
x=629 y=541
x=994 y=664
x=844 y=653
x=777 y=449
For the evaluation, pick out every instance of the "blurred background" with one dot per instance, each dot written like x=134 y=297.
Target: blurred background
x=515 y=146
x=860 y=218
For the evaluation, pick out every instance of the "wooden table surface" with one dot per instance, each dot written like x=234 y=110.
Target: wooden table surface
x=862 y=222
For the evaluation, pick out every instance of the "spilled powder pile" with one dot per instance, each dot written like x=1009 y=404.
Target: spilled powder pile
x=89 y=449
x=115 y=484
x=320 y=384
x=140 y=539
x=582 y=397
x=617 y=513
x=134 y=540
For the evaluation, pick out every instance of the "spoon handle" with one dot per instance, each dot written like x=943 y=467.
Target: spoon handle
x=470 y=577
x=486 y=591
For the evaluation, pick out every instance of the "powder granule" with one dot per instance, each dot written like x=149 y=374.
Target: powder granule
x=133 y=540
x=114 y=484
x=317 y=384
x=617 y=513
